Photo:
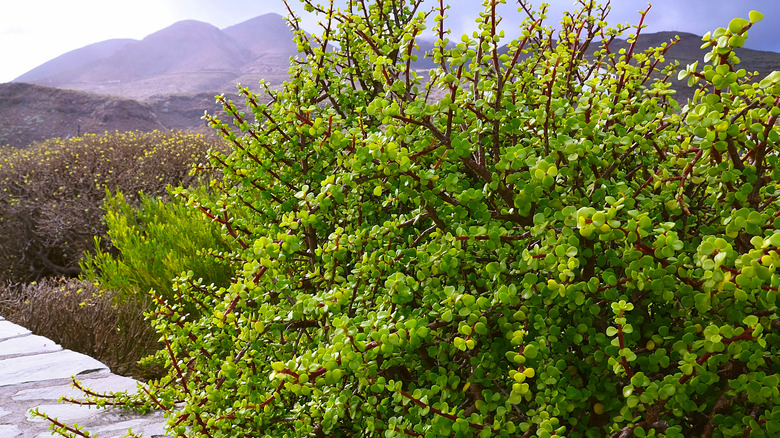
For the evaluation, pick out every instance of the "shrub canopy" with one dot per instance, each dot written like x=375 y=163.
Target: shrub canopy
x=536 y=243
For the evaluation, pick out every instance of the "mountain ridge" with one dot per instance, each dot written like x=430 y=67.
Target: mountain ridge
x=169 y=78
x=188 y=56
x=73 y=60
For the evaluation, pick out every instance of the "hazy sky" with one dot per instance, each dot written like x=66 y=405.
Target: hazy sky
x=35 y=31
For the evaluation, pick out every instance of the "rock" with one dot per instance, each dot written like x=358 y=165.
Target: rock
x=27 y=345
x=9 y=431
x=10 y=330
x=47 y=366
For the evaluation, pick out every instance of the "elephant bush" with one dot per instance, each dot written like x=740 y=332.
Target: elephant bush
x=532 y=239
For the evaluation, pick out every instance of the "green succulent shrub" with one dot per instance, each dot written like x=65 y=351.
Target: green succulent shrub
x=536 y=242
x=154 y=242
x=52 y=192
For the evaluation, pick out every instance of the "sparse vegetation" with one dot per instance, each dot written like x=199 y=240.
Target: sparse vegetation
x=79 y=316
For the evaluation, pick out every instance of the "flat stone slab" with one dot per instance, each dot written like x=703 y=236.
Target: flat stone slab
x=65 y=412
x=40 y=367
x=10 y=330
x=106 y=422
x=9 y=431
x=27 y=345
x=138 y=427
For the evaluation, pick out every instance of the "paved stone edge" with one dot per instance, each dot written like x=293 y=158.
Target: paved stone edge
x=36 y=372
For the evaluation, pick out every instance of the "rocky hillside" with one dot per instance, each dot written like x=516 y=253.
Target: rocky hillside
x=32 y=112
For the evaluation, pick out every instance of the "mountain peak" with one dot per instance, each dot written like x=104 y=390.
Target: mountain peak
x=183 y=30
x=264 y=34
x=187 y=26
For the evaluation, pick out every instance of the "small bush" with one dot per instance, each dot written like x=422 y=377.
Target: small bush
x=52 y=193
x=155 y=242
x=80 y=317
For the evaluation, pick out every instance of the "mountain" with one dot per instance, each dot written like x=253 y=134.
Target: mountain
x=264 y=35
x=688 y=50
x=65 y=68
x=191 y=57
x=271 y=44
x=168 y=79
x=187 y=57
x=185 y=47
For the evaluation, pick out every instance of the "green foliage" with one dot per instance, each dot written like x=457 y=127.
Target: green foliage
x=538 y=243
x=51 y=192
x=152 y=244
